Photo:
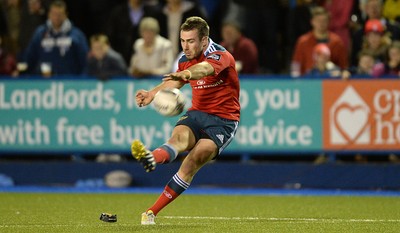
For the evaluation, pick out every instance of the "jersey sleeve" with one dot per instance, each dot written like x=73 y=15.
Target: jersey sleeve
x=218 y=60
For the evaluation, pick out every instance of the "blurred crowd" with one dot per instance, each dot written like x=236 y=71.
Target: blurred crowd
x=140 y=38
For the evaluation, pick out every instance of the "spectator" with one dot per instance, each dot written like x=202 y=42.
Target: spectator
x=7 y=61
x=57 y=45
x=299 y=22
x=302 y=60
x=323 y=66
x=366 y=64
x=392 y=66
x=242 y=48
x=174 y=13
x=364 y=68
x=103 y=61
x=391 y=10
x=32 y=16
x=153 y=53
x=123 y=25
x=373 y=10
x=376 y=41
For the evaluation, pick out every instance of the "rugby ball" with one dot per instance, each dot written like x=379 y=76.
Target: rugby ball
x=169 y=102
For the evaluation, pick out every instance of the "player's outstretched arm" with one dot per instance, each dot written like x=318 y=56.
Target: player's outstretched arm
x=144 y=97
x=174 y=80
x=194 y=72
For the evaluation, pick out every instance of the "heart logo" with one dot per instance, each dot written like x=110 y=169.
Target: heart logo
x=351 y=121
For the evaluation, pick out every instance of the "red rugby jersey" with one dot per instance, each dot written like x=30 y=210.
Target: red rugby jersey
x=216 y=94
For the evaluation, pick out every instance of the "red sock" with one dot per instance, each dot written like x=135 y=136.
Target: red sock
x=166 y=197
x=174 y=188
x=161 y=155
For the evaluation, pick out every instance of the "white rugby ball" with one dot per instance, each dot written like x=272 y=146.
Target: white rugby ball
x=169 y=102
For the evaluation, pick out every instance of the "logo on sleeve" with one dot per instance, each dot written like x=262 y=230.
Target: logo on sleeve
x=214 y=56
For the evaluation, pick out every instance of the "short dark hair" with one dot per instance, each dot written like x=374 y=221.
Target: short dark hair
x=316 y=11
x=102 y=38
x=59 y=4
x=198 y=23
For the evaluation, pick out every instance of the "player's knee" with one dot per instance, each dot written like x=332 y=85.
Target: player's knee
x=194 y=161
x=207 y=149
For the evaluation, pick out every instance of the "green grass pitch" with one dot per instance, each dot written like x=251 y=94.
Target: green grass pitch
x=77 y=212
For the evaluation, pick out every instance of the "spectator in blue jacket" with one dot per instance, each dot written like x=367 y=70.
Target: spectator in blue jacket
x=57 y=47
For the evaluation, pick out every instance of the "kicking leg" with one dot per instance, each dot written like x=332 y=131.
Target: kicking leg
x=202 y=153
x=182 y=139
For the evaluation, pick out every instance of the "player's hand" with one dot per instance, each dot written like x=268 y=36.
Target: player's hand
x=178 y=76
x=143 y=98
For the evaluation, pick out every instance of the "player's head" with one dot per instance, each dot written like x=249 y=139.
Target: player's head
x=194 y=36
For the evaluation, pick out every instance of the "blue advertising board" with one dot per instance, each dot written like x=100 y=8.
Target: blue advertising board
x=93 y=116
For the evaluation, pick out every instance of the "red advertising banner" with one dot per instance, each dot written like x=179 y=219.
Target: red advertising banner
x=361 y=115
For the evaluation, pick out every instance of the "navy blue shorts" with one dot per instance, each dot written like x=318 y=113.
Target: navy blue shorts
x=204 y=125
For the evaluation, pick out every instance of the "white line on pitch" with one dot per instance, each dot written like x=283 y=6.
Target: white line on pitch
x=283 y=219
x=58 y=225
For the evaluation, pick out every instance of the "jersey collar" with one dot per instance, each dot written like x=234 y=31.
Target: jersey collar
x=210 y=47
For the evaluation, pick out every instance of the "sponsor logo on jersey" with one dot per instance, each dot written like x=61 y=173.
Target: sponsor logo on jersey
x=204 y=85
